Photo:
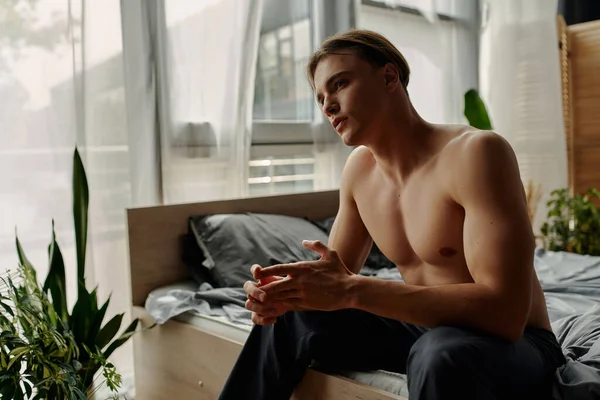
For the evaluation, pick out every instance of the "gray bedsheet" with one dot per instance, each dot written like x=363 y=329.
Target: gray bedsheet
x=571 y=285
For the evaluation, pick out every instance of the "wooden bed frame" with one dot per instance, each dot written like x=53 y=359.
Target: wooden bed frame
x=180 y=361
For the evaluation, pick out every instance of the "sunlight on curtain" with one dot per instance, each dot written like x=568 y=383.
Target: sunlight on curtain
x=441 y=55
x=38 y=131
x=520 y=81
x=210 y=62
x=61 y=85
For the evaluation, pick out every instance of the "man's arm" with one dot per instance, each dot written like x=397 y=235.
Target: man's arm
x=349 y=236
x=498 y=244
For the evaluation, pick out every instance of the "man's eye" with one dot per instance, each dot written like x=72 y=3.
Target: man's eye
x=339 y=84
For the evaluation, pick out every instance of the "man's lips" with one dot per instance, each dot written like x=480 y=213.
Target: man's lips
x=337 y=123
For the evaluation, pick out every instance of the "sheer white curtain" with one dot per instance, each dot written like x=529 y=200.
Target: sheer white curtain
x=329 y=151
x=61 y=85
x=441 y=53
x=520 y=81
x=208 y=55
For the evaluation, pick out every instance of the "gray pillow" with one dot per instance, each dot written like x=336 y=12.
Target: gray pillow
x=232 y=243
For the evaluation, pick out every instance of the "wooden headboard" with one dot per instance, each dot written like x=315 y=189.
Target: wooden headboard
x=154 y=232
x=580 y=76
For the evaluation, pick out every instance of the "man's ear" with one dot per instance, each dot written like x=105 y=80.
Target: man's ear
x=391 y=75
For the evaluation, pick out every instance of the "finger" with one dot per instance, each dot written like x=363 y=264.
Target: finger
x=277 y=306
x=253 y=290
x=262 y=309
x=254 y=268
x=280 y=286
x=318 y=247
x=284 y=297
x=269 y=279
x=260 y=320
x=284 y=269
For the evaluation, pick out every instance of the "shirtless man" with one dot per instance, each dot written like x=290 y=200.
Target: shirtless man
x=446 y=204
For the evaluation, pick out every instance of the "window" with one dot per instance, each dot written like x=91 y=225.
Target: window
x=281 y=91
x=273 y=175
x=284 y=106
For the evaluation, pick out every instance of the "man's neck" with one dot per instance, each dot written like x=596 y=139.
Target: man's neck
x=402 y=145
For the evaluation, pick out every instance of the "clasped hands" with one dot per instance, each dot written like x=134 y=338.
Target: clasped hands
x=307 y=285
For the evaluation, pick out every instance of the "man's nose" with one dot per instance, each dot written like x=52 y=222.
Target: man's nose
x=330 y=108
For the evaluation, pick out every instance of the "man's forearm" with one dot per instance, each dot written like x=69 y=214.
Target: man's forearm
x=468 y=304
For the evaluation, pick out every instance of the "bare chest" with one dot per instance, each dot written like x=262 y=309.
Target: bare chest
x=415 y=227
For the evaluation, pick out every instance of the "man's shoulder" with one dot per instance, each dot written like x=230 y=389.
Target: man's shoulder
x=359 y=161
x=358 y=165
x=473 y=147
x=475 y=161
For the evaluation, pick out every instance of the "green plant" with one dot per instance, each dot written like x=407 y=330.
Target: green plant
x=573 y=222
x=44 y=349
x=476 y=112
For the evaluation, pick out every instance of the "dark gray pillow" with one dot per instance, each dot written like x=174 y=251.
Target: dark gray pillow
x=232 y=243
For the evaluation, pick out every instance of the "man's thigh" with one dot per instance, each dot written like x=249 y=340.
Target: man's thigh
x=475 y=363
x=356 y=340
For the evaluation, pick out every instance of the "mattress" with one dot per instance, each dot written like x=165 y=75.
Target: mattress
x=222 y=326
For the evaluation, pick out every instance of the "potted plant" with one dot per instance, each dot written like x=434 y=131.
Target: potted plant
x=573 y=222
x=47 y=351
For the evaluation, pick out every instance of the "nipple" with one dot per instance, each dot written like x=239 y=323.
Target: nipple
x=447 y=251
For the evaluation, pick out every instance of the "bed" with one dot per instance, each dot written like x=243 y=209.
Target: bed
x=189 y=355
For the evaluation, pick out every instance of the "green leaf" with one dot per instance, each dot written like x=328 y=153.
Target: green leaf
x=81 y=317
x=130 y=331
x=28 y=389
x=8 y=391
x=22 y=257
x=14 y=360
x=97 y=323
x=80 y=214
x=94 y=300
x=55 y=280
x=108 y=332
x=79 y=393
x=475 y=111
x=18 y=351
x=7 y=308
x=39 y=396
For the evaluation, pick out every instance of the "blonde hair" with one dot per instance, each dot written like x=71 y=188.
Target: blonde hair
x=369 y=46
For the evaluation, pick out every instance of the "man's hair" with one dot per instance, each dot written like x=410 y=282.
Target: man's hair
x=367 y=45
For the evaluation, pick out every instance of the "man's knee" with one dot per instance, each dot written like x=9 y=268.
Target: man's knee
x=437 y=351
x=444 y=363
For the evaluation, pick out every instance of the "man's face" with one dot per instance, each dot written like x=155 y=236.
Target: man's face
x=352 y=94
